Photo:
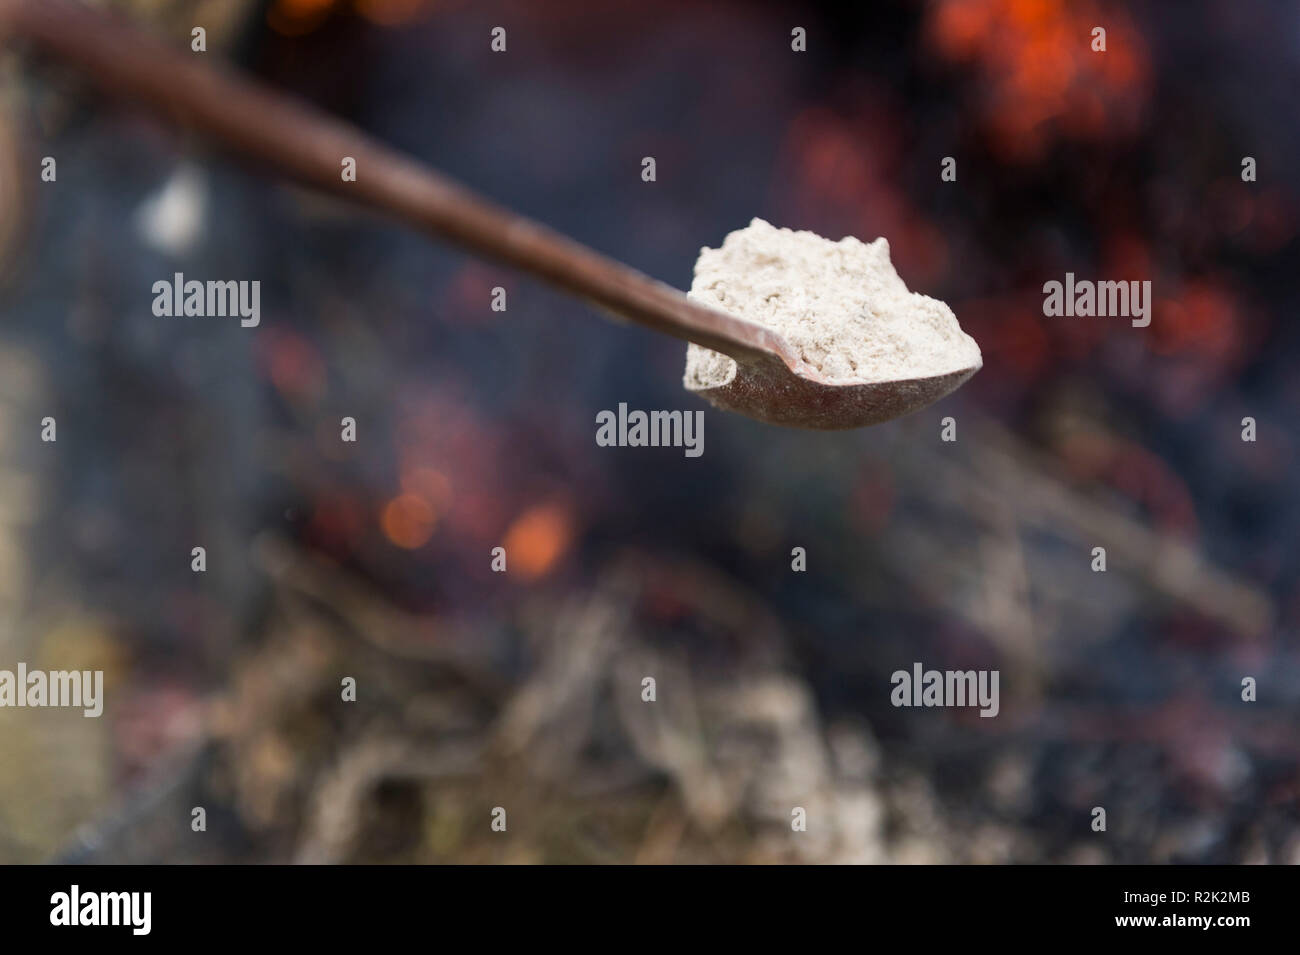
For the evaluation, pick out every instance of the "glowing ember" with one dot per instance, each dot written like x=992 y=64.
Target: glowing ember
x=297 y=17
x=537 y=539
x=1039 y=75
x=408 y=521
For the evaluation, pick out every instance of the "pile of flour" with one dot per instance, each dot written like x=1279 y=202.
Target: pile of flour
x=840 y=305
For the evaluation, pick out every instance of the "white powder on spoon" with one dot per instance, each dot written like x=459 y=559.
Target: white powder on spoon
x=840 y=305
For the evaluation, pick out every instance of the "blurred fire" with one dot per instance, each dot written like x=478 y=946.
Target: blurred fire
x=1203 y=319
x=443 y=444
x=298 y=17
x=292 y=363
x=840 y=176
x=1040 y=76
x=538 y=538
x=408 y=521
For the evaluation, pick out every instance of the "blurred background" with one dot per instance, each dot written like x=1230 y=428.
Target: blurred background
x=476 y=429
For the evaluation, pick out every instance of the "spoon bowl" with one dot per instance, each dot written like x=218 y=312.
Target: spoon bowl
x=771 y=383
x=767 y=389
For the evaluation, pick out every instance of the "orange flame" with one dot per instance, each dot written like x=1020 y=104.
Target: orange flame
x=408 y=521
x=297 y=17
x=1040 y=75
x=538 y=538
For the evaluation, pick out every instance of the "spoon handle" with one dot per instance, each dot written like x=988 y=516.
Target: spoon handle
x=305 y=145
